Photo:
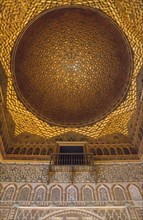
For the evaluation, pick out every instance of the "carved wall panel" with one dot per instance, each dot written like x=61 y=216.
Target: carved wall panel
x=72 y=199
x=24 y=194
x=139 y=212
x=117 y=172
x=71 y=194
x=74 y=214
x=103 y=193
x=9 y=193
x=119 y=193
x=29 y=214
x=40 y=194
x=78 y=192
x=87 y=193
x=4 y=212
x=135 y=193
x=56 y=194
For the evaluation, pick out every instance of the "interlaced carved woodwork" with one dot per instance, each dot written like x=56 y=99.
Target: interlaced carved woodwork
x=75 y=68
x=16 y=14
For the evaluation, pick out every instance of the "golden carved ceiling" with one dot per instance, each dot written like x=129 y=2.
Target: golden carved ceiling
x=17 y=13
x=72 y=66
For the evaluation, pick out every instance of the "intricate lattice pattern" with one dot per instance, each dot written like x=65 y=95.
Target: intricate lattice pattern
x=16 y=14
x=72 y=66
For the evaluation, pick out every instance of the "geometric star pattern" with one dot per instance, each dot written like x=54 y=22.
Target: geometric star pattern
x=16 y=14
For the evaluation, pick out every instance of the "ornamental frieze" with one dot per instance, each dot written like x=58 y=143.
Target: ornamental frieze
x=103 y=173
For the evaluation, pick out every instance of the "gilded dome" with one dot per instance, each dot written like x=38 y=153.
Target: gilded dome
x=71 y=66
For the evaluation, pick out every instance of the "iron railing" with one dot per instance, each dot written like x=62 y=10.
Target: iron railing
x=71 y=159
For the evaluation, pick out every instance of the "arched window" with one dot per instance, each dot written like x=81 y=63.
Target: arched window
x=24 y=194
x=40 y=194
x=71 y=194
x=103 y=194
x=119 y=194
x=43 y=151
x=87 y=194
x=135 y=193
x=119 y=151
x=106 y=151
x=29 y=151
x=50 y=151
x=36 y=151
x=133 y=150
x=92 y=150
x=56 y=194
x=126 y=150
x=16 y=150
x=112 y=150
x=99 y=151
x=9 y=150
x=23 y=150
x=9 y=193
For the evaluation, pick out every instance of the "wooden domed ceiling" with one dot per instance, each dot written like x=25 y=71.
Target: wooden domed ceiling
x=72 y=66
x=127 y=15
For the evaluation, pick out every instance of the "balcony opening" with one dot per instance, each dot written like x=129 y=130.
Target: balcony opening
x=71 y=155
x=71 y=149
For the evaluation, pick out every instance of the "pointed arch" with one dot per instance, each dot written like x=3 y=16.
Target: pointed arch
x=103 y=193
x=134 y=192
x=87 y=193
x=65 y=213
x=9 y=192
x=119 y=193
x=71 y=193
x=56 y=193
x=40 y=193
x=24 y=193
